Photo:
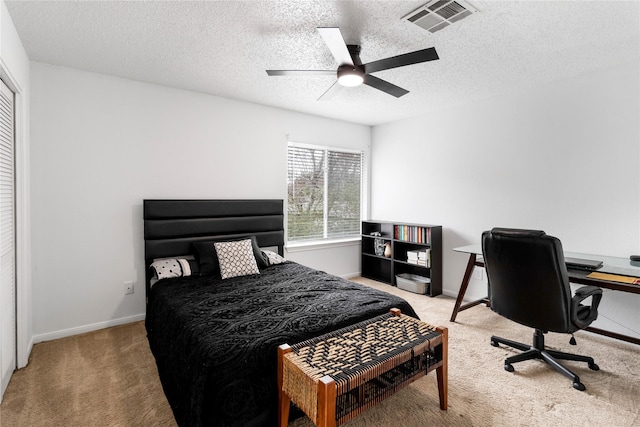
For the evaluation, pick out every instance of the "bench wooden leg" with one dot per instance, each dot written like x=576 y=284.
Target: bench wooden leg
x=443 y=372
x=327 y=395
x=284 y=401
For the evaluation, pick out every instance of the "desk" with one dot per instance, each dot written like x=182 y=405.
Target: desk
x=612 y=265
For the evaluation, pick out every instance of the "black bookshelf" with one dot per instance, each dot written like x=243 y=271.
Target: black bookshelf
x=402 y=237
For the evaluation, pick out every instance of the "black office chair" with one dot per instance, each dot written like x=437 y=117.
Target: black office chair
x=529 y=284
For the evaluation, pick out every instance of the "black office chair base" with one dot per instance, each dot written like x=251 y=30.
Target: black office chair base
x=538 y=351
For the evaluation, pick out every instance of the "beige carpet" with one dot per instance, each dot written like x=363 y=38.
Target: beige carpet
x=108 y=378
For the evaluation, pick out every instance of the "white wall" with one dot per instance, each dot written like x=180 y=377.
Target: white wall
x=342 y=257
x=100 y=145
x=564 y=158
x=14 y=70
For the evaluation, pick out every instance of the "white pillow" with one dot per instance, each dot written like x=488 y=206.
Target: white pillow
x=236 y=258
x=171 y=267
x=273 y=258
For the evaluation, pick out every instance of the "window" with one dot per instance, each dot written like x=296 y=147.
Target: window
x=324 y=193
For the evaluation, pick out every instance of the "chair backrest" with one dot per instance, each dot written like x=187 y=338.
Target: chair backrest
x=528 y=280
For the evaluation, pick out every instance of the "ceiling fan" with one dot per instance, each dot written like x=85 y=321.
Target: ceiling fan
x=352 y=72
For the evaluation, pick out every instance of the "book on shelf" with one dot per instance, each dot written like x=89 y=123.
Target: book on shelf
x=419 y=257
x=412 y=233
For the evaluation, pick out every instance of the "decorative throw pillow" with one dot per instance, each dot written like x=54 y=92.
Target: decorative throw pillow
x=236 y=258
x=273 y=258
x=208 y=258
x=167 y=268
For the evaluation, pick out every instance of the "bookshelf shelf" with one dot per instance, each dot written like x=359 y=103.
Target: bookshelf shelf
x=377 y=256
x=416 y=250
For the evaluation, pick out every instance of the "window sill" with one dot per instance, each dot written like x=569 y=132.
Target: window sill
x=321 y=244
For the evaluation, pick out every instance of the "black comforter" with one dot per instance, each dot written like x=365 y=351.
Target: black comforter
x=215 y=341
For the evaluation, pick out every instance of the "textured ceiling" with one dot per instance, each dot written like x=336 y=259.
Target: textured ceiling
x=224 y=47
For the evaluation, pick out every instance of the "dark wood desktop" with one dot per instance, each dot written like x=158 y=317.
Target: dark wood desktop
x=612 y=265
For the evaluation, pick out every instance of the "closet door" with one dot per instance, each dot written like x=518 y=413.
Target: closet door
x=7 y=240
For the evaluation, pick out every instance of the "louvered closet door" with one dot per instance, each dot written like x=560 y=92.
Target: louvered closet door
x=7 y=240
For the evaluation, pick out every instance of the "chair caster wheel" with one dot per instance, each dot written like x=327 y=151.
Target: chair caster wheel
x=508 y=367
x=495 y=343
x=579 y=386
x=594 y=367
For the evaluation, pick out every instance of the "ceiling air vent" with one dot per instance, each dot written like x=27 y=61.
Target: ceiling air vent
x=438 y=14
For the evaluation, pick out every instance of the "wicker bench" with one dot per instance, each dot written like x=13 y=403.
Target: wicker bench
x=336 y=376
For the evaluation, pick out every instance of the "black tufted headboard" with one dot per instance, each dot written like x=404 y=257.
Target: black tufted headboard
x=170 y=226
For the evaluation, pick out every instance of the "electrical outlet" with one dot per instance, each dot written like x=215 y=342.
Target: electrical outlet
x=478 y=273
x=128 y=288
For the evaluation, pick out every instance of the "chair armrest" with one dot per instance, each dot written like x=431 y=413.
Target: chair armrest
x=585 y=292
x=581 y=294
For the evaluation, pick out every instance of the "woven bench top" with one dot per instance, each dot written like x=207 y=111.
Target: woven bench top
x=353 y=349
x=366 y=362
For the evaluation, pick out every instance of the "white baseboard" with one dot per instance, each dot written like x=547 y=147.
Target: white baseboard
x=24 y=359
x=351 y=275
x=86 y=328
x=452 y=294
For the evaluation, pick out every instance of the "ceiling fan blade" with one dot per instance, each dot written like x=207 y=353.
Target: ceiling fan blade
x=416 y=57
x=301 y=72
x=384 y=86
x=335 y=42
x=331 y=92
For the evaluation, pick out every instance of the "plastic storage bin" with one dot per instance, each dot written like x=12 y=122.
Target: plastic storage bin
x=413 y=283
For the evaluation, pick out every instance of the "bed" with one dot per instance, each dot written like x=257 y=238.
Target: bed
x=215 y=340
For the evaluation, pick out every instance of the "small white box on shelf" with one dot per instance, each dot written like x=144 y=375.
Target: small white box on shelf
x=413 y=283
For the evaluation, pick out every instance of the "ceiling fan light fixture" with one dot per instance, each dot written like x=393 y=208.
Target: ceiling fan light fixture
x=352 y=72
x=350 y=76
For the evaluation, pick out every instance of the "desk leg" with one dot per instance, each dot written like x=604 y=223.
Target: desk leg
x=615 y=335
x=463 y=289
x=463 y=286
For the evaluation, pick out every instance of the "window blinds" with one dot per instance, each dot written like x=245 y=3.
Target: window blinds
x=324 y=193
x=7 y=240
